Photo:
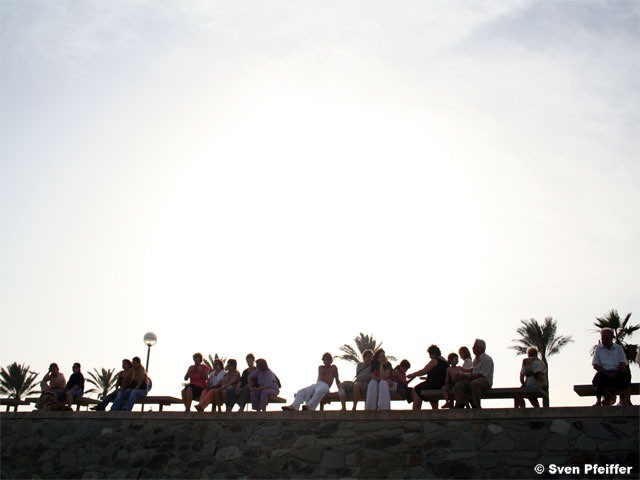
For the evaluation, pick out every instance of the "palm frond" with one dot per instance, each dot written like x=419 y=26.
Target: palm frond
x=17 y=380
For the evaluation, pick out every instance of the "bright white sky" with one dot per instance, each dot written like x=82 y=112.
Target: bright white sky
x=278 y=176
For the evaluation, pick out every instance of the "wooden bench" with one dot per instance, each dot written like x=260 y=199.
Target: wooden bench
x=79 y=402
x=13 y=402
x=589 y=391
x=516 y=394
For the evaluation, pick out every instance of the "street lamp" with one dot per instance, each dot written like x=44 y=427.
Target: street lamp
x=150 y=340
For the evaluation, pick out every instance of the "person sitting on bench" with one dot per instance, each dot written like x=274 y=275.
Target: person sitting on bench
x=360 y=382
x=533 y=374
x=313 y=394
x=471 y=385
x=612 y=369
x=197 y=375
x=137 y=387
x=75 y=385
x=120 y=380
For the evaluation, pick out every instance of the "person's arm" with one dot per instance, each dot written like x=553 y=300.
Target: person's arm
x=252 y=381
x=186 y=375
x=427 y=368
x=319 y=373
x=335 y=374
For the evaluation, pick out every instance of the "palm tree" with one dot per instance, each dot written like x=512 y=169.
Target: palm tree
x=621 y=330
x=104 y=380
x=209 y=362
x=363 y=342
x=543 y=337
x=17 y=380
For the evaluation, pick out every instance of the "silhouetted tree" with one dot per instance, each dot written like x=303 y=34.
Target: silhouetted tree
x=543 y=337
x=17 y=380
x=363 y=342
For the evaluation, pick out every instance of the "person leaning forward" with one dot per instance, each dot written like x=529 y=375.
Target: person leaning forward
x=472 y=385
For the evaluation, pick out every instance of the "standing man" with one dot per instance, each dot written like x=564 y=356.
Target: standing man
x=480 y=379
x=314 y=394
x=75 y=385
x=610 y=363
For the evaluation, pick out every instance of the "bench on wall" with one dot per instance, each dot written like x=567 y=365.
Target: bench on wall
x=589 y=391
x=503 y=393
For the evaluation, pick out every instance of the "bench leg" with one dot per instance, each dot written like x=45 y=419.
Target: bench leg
x=160 y=407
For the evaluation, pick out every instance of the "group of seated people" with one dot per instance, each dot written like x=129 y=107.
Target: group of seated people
x=377 y=379
x=461 y=385
x=132 y=383
x=226 y=386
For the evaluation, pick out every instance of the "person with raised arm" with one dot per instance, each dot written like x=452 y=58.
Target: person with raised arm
x=197 y=375
x=313 y=394
x=436 y=371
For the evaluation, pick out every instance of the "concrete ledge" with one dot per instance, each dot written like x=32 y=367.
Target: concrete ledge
x=391 y=415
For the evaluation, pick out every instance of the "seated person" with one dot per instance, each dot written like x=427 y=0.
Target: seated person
x=314 y=394
x=241 y=393
x=197 y=375
x=262 y=383
x=533 y=374
x=401 y=384
x=136 y=386
x=467 y=361
x=610 y=363
x=450 y=380
x=213 y=383
x=436 y=371
x=75 y=386
x=52 y=387
x=228 y=385
x=360 y=382
x=120 y=378
x=379 y=389
x=470 y=386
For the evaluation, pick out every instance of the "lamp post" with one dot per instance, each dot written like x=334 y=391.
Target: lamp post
x=150 y=340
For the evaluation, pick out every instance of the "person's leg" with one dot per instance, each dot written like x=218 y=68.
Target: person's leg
x=135 y=395
x=478 y=386
x=120 y=398
x=417 y=399
x=321 y=389
x=205 y=399
x=255 y=399
x=461 y=391
x=187 y=398
x=343 y=389
x=600 y=382
x=303 y=395
x=357 y=390
x=244 y=397
x=264 y=397
x=384 y=396
x=371 y=403
x=105 y=401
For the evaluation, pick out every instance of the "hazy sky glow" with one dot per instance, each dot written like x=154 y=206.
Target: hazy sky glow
x=278 y=176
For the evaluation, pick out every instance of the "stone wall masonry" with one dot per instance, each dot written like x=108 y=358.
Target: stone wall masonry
x=491 y=443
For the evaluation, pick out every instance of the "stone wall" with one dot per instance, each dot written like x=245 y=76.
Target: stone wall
x=492 y=443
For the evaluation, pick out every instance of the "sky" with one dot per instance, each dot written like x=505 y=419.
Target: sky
x=276 y=177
